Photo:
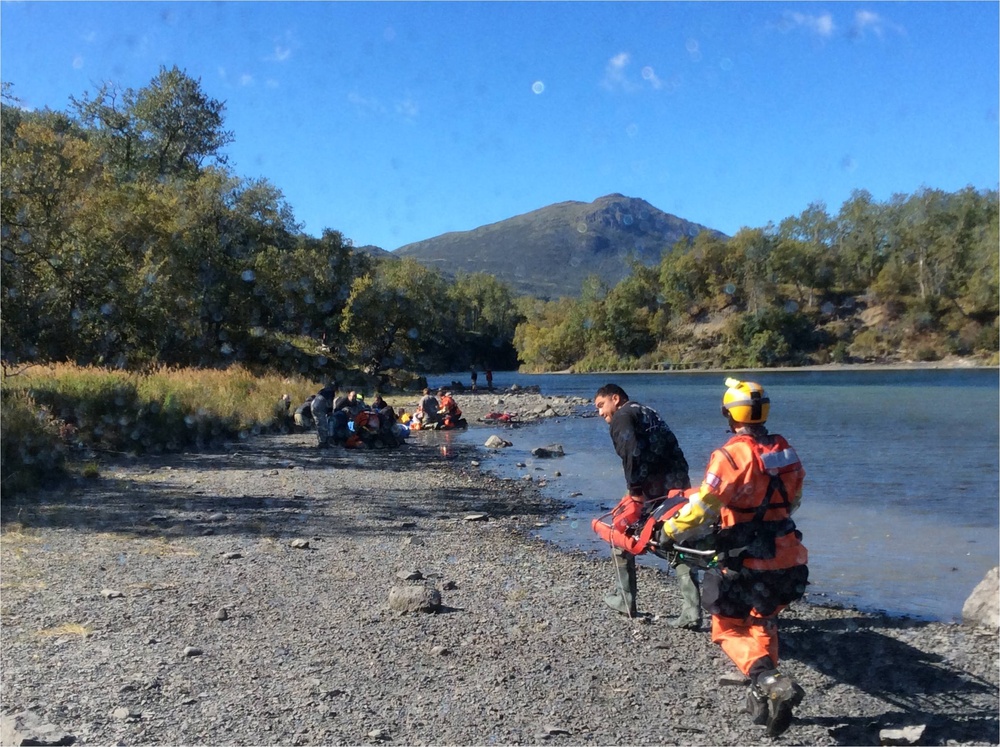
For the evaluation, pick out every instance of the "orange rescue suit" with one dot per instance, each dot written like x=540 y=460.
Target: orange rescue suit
x=740 y=476
x=755 y=471
x=450 y=407
x=751 y=486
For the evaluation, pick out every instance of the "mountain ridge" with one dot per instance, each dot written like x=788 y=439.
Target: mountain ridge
x=548 y=252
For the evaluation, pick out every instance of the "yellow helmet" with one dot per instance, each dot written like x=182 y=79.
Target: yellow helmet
x=745 y=402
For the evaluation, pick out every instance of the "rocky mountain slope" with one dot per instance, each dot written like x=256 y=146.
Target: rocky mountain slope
x=550 y=252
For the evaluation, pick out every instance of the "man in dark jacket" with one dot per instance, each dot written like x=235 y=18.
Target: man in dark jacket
x=653 y=464
x=322 y=408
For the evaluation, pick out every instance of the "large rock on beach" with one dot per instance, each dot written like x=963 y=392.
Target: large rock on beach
x=495 y=442
x=982 y=608
x=27 y=728
x=414 y=599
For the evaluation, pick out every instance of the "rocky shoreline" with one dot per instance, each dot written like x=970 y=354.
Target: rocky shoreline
x=248 y=596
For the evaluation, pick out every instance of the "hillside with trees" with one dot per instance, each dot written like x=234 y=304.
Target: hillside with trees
x=128 y=242
x=911 y=279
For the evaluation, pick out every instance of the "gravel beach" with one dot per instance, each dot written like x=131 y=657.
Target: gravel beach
x=249 y=596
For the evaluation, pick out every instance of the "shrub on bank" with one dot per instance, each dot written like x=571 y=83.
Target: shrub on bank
x=48 y=409
x=31 y=449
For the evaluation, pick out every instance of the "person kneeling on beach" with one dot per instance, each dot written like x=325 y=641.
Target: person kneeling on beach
x=429 y=406
x=751 y=487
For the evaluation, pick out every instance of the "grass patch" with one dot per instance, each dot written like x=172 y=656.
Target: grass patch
x=64 y=630
x=58 y=412
x=162 y=548
x=15 y=535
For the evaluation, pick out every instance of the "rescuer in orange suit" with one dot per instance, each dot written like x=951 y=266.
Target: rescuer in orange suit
x=751 y=487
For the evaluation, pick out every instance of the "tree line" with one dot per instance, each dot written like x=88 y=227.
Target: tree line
x=912 y=278
x=127 y=242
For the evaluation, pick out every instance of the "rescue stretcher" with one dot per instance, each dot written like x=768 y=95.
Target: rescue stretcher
x=629 y=532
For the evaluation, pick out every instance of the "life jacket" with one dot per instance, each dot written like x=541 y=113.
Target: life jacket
x=755 y=527
x=449 y=406
x=366 y=419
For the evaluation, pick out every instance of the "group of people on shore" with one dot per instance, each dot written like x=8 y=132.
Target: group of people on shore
x=348 y=421
x=734 y=530
x=475 y=379
x=439 y=412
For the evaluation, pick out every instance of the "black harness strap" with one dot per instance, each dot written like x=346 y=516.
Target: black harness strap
x=758 y=512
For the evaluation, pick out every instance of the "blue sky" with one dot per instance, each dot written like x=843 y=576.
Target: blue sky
x=396 y=122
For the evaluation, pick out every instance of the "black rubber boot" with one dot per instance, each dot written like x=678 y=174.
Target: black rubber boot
x=756 y=705
x=783 y=694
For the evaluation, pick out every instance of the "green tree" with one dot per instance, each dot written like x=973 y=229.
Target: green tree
x=395 y=316
x=488 y=316
x=49 y=177
x=768 y=337
x=629 y=312
x=553 y=336
x=803 y=252
x=168 y=128
x=751 y=249
x=864 y=239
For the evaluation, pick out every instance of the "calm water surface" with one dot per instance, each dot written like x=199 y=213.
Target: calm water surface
x=900 y=508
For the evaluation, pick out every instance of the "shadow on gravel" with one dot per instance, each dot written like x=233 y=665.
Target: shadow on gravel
x=154 y=507
x=918 y=687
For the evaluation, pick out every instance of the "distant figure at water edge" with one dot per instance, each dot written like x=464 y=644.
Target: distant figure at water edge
x=653 y=464
x=475 y=378
x=751 y=487
x=489 y=379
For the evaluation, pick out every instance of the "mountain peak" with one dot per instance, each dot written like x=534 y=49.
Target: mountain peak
x=549 y=252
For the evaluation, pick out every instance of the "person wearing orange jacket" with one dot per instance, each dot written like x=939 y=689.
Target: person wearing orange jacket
x=751 y=487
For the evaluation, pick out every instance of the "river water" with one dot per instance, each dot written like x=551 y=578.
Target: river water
x=901 y=501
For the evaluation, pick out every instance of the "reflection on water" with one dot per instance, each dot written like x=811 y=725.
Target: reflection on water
x=900 y=511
